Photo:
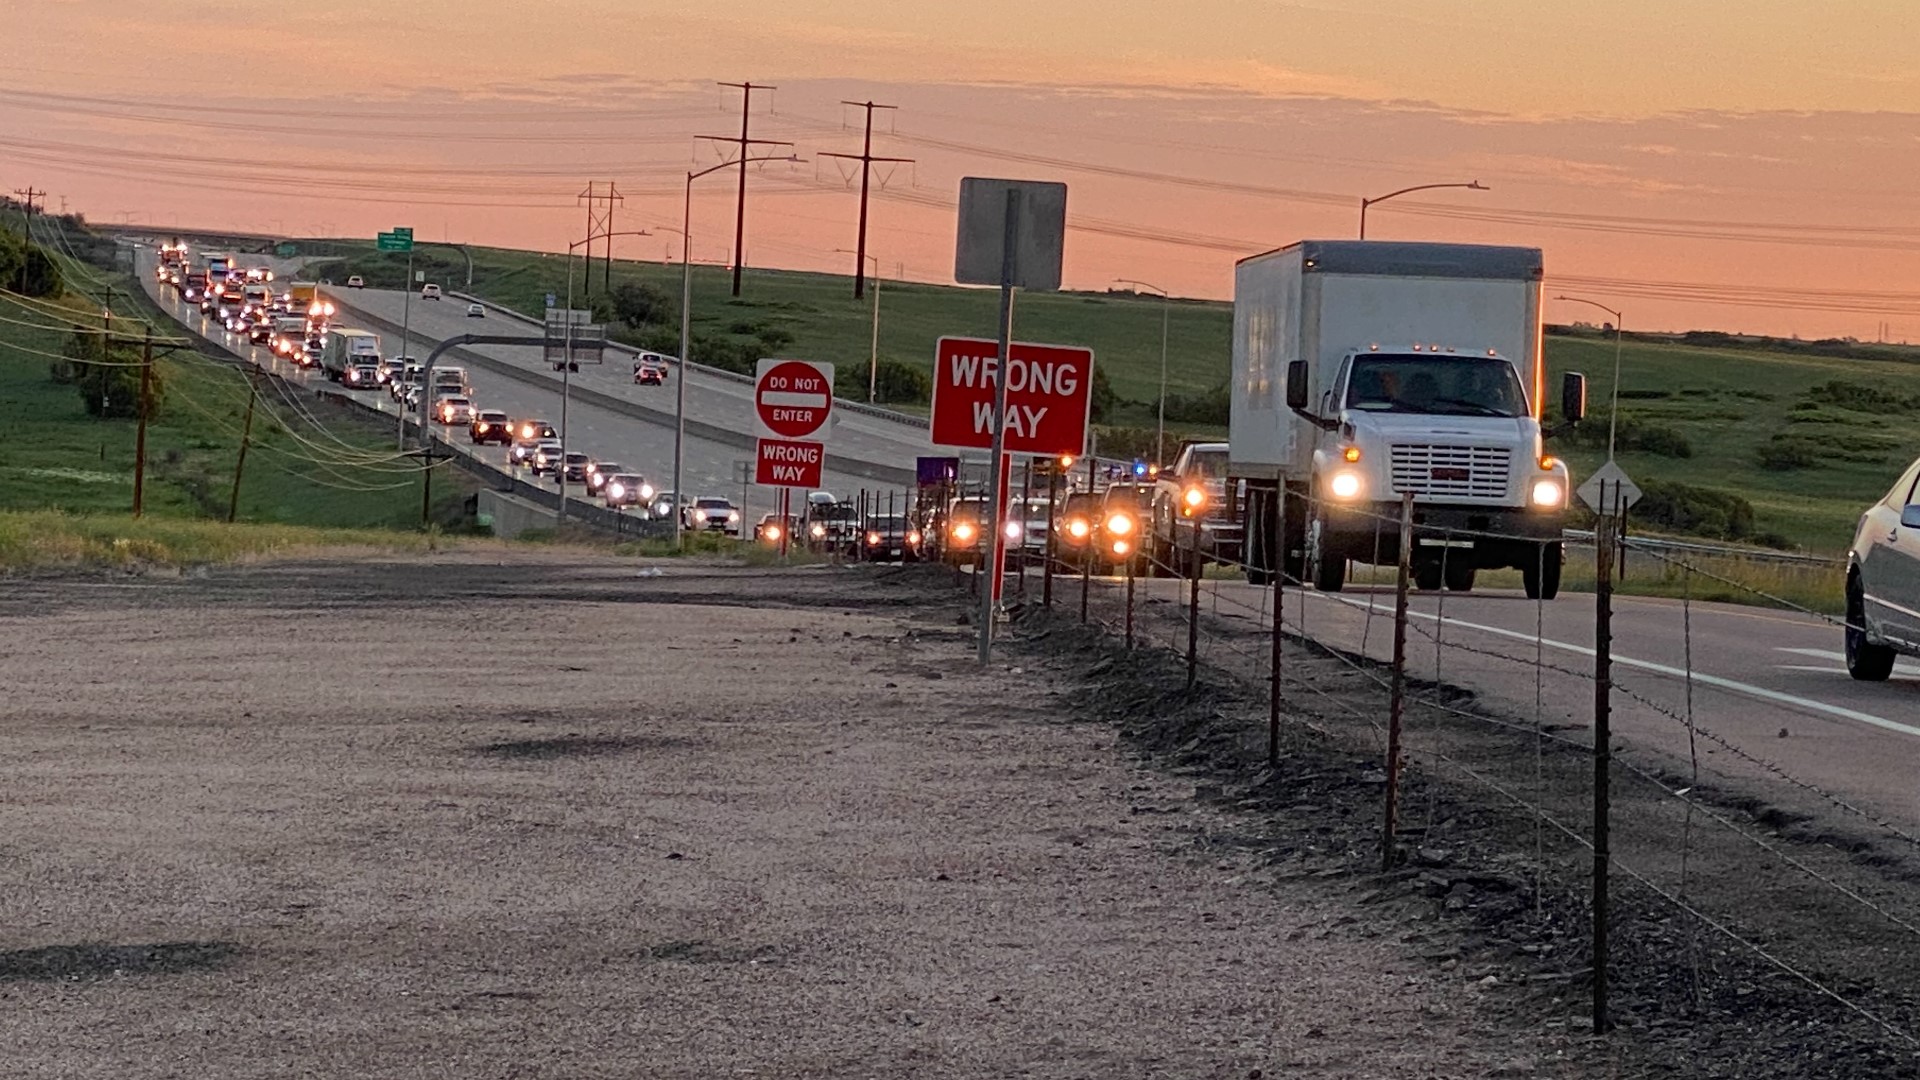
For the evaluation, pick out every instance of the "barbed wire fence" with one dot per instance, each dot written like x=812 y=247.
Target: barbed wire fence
x=1293 y=646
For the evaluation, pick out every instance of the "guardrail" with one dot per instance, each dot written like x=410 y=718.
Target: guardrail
x=1584 y=537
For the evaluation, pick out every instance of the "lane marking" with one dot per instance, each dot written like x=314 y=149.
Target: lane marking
x=1731 y=685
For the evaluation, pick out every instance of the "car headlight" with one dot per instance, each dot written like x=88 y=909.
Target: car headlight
x=1119 y=524
x=817 y=531
x=646 y=491
x=772 y=532
x=1012 y=530
x=1120 y=547
x=1548 y=492
x=699 y=515
x=873 y=538
x=963 y=532
x=1078 y=529
x=733 y=517
x=616 y=491
x=913 y=537
x=1345 y=485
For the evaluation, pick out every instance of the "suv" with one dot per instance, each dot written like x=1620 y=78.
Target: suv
x=490 y=426
x=429 y=292
x=1883 y=583
x=356 y=282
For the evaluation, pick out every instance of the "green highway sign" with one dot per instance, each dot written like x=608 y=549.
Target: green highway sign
x=394 y=241
x=406 y=231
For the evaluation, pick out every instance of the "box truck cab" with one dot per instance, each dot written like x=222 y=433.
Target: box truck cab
x=1365 y=371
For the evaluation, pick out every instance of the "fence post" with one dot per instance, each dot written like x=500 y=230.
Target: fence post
x=1053 y=531
x=1604 y=532
x=1397 y=704
x=1086 y=568
x=1277 y=555
x=1130 y=562
x=1193 y=611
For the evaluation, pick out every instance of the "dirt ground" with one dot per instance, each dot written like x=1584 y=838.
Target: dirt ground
x=543 y=815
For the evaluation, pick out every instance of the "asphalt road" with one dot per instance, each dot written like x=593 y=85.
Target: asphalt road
x=646 y=446
x=1771 y=684
x=872 y=450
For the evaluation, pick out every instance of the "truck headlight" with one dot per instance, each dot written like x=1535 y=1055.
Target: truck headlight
x=773 y=532
x=646 y=491
x=1346 y=485
x=733 y=517
x=1078 y=529
x=1548 y=492
x=817 y=532
x=1195 y=498
x=963 y=532
x=616 y=491
x=873 y=538
x=1119 y=524
x=1012 y=530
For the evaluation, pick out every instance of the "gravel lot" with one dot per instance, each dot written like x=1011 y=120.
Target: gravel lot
x=533 y=815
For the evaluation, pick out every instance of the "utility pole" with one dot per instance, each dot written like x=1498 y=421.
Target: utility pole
x=745 y=143
x=26 y=196
x=866 y=159
x=246 y=436
x=599 y=224
x=140 y=436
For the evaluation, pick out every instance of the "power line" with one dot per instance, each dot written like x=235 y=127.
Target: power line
x=745 y=142
x=866 y=159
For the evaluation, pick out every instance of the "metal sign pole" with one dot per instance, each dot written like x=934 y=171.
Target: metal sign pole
x=996 y=492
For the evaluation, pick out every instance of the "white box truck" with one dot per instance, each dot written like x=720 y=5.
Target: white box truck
x=1363 y=370
x=345 y=350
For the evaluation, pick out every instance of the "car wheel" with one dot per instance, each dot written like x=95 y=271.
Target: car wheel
x=1866 y=661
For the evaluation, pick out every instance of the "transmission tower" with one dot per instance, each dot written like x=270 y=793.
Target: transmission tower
x=600 y=223
x=745 y=143
x=866 y=159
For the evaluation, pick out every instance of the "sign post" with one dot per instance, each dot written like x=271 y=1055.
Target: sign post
x=1011 y=234
x=792 y=402
x=401 y=239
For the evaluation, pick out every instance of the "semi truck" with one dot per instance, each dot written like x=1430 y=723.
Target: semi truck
x=344 y=349
x=1364 y=371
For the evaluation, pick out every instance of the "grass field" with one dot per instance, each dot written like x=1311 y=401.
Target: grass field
x=1726 y=405
x=59 y=457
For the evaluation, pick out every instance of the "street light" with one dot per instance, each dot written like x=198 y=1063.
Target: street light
x=1166 y=303
x=873 y=356
x=1613 y=417
x=1473 y=185
x=566 y=368
x=686 y=322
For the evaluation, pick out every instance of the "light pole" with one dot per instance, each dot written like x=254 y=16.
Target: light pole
x=873 y=354
x=1472 y=185
x=1613 y=410
x=686 y=325
x=1166 y=303
x=566 y=367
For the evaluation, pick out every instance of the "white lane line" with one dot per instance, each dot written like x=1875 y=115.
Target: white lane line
x=1731 y=685
x=1903 y=666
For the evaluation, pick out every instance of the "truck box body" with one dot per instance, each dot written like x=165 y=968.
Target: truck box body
x=1416 y=370
x=345 y=348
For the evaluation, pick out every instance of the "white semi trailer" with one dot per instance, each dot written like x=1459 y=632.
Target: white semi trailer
x=1364 y=370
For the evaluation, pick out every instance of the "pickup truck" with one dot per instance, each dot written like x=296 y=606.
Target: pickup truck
x=1194 y=508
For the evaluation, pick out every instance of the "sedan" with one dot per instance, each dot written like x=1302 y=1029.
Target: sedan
x=888 y=538
x=490 y=426
x=598 y=471
x=520 y=451
x=772 y=528
x=476 y=311
x=454 y=410
x=1883 y=583
x=534 y=429
x=356 y=282
x=574 y=466
x=713 y=514
x=624 y=489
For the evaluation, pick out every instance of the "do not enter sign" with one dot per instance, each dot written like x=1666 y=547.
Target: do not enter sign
x=792 y=399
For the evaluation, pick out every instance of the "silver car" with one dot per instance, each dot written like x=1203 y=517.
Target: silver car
x=1883 y=582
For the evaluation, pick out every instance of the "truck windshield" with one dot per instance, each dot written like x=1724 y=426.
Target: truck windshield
x=1435 y=385
x=1208 y=463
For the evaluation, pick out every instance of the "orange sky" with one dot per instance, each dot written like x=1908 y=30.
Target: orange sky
x=1740 y=165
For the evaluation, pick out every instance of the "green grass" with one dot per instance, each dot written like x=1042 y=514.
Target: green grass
x=1727 y=403
x=54 y=539
x=61 y=458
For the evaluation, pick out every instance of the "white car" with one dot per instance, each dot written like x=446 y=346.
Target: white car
x=476 y=311
x=454 y=410
x=356 y=282
x=1883 y=582
x=429 y=292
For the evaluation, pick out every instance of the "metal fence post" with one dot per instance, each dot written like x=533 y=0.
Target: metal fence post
x=1193 y=611
x=1396 y=707
x=1053 y=530
x=1276 y=554
x=1130 y=562
x=1604 y=534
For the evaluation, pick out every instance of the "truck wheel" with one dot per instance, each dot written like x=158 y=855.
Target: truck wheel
x=1541 y=575
x=1459 y=574
x=1426 y=576
x=1866 y=662
x=1329 y=569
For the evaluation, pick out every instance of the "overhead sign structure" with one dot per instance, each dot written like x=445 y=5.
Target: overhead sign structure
x=792 y=403
x=1049 y=396
x=1609 y=492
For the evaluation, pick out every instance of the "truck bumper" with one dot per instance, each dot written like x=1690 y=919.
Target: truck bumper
x=1498 y=536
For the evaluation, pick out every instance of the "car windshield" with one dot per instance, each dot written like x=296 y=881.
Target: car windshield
x=887 y=521
x=1210 y=463
x=839 y=513
x=1129 y=495
x=493 y=417
x=576 y=459
x=713 y=504
x=1435 y=385
x=629 y=479
x=607 y=467
x=1081 y=502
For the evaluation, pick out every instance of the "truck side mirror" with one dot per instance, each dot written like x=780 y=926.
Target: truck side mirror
x=1297 y=385
x=1573 y=397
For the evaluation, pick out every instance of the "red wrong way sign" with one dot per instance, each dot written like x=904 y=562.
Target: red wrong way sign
x=792 y=399
x=788 y=463
x=1049 y=395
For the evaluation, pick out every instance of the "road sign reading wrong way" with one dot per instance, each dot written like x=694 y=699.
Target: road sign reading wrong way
x=792 y=403
x=1049 y=396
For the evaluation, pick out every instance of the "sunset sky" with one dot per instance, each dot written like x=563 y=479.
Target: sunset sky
x=1740 y=165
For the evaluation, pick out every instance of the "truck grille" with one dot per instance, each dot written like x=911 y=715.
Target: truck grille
x=1470 y=472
